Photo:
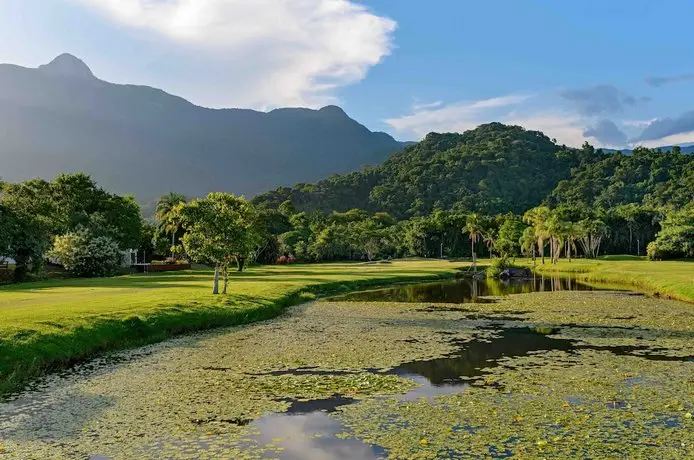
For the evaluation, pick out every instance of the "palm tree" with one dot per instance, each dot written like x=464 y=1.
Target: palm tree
x=166 y=216
x=473 y=227
x=538 y=218
x=527 y=242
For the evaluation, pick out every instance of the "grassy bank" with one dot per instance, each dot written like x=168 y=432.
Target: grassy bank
x=670 y=279
x=49 y=325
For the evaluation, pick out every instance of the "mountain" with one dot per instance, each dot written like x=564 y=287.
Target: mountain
x=494 y=168
x=665 y=148
x=137 y=139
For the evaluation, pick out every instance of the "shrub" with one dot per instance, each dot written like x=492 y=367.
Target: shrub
x=653 y=252
x=497 y=266
x=85 y=255
x=282 y=260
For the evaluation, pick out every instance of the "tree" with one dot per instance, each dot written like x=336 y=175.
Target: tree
x=527 y=243
x=508 y=243
x=24 y=236
x=558 y=231
x=168 y=220
x=220 y=229
x=537 y=218
x=592 y=231
x=473 y=227
x=628 y=213
x=331 y=243
x=676 y=239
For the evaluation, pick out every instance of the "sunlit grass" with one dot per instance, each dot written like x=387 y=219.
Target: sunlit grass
x=672 y=279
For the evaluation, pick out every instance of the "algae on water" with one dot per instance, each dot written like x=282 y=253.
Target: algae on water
x=620 y=386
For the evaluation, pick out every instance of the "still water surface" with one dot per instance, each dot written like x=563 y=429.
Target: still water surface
x=466 y=290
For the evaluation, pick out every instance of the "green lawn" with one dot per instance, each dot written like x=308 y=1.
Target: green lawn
x=671 y=279
x=49 y=325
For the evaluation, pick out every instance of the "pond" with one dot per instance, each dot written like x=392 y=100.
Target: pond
x=547 y=374
x=467 y=290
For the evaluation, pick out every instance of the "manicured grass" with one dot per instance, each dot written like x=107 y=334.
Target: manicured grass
x=671 y=279
x=49 y=325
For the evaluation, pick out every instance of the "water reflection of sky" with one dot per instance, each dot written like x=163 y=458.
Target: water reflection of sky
x=311 y=437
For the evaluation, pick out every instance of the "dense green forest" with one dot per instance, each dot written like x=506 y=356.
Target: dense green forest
x=494 y=191
x=498 y=172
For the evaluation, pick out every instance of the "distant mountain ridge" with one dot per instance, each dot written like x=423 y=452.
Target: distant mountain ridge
x=138 y=139
x=665 y=148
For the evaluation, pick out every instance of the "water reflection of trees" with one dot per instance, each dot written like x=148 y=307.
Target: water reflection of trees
x=469 y=290
x=477 y=355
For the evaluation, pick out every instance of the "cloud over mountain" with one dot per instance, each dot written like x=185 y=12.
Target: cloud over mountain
x=666 y=127
x=607 y=133
x=601 y=99
x=271 y=52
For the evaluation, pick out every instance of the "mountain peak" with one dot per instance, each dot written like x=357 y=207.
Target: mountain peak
x=333 y=110
x=69 y=66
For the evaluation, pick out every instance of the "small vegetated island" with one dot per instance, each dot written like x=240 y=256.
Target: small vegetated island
x=409 y=372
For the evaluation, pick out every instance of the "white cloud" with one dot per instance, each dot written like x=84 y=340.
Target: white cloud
x=271 y=52
x=419 y=106
x=675 y=139
x=638 y=123
x=566 y=127
x=456 y=117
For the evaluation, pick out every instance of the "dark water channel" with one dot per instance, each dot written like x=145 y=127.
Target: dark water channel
x=466 y=290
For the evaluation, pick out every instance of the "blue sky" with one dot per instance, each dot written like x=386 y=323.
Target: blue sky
x=615 y=73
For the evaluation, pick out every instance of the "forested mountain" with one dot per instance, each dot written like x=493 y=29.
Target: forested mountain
x=653 y=178
x=494 y=168
x=136 y=139
x=497 y=169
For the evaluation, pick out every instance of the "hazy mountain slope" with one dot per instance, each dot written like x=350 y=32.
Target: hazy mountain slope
x=665 y=148
x=137 y=139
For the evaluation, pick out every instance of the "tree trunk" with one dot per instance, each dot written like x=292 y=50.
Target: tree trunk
x=541 y=247
x=474 y=256
x=21 y=268
x=225 y=273
x=630 y=236
x=534 y=256
x=240 y=263
x=215 y=289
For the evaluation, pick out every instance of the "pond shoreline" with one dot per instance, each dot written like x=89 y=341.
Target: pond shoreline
x=134 y=332
x=606 y=273
x=23 y=361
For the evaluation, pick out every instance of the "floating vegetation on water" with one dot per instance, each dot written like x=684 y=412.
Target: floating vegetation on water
x=586 y=374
